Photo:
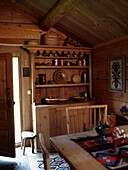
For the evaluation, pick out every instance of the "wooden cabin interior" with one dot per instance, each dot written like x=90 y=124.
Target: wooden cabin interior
x=28 y=29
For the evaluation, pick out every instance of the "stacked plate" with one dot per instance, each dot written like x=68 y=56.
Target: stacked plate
x=75 y=78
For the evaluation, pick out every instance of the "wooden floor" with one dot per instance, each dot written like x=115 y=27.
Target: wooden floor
x=32 y=158
x=27 y=161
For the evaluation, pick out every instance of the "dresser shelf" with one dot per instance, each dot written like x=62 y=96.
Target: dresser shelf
x=61 y=85
x=62 y=67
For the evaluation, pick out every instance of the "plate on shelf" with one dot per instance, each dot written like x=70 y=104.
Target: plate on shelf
x=75 y=78
x=63 y=100
x=60 y=77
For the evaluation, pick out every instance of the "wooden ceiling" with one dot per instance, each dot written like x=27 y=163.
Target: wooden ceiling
x=90 y=22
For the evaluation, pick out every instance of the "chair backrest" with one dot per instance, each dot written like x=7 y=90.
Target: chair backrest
x=82 y=118
x=45 y=152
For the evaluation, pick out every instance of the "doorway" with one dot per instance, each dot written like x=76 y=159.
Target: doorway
x=16 y=93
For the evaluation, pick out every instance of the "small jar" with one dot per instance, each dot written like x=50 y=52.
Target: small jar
x=85 y=94
x=50 y=82
x=68 y=63
x=42 y=78
x=56 y=62
x=84 y=62
x=84 y=77
x=79 y=63
x=61 y=62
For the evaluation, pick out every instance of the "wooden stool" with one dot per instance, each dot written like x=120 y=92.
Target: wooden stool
x=27 y=135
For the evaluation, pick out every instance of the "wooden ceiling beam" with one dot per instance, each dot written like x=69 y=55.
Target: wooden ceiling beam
x=56 y=13
x=13 y=6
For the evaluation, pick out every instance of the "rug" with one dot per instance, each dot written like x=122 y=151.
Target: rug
x=56 y=163
x=112 y=159
x=91 y=143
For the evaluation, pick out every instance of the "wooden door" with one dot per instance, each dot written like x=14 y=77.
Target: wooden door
x=7 y=139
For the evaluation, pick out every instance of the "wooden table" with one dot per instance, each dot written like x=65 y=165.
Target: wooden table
x=75 y=155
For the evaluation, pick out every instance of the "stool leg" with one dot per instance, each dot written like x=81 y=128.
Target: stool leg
x=32 y=144
x=24 y=143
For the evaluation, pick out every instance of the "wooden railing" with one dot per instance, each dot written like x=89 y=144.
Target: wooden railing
x=82 y=118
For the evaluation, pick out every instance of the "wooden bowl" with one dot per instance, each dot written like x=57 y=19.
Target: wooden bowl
x=79 y=99
x=51 y=100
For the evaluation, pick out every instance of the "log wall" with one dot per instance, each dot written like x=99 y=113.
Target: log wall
x=15 y=27
x=101 y=55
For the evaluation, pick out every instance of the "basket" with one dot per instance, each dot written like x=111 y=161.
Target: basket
x=111 y=118
x=33 y=42
x=50 y=39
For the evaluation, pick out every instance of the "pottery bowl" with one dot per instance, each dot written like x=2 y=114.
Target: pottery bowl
x=51 y=100
x=79 y=99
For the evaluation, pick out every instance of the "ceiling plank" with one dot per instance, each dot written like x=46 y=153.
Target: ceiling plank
x=12 y=6
x=57 y=12
x=116 y=40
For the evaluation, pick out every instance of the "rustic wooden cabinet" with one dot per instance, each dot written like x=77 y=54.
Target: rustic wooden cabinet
x=50 y=119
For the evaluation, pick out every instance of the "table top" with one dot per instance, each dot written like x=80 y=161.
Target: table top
x=75 y=155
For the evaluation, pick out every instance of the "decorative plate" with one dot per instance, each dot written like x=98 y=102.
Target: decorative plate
x=75 y=78
x=60 y=77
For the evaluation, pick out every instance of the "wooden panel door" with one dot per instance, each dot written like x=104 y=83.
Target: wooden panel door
x=7 y=140
x=57 y=119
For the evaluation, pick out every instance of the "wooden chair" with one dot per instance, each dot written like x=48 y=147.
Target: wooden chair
x=46 y=158
x=27 y=135
x=45 y=152
x=82 y=118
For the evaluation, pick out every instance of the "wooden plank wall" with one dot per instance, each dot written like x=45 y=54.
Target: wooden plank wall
x=15 y=27
x=101 y=55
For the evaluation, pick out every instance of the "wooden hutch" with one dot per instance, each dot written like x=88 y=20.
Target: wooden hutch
x=51 y=119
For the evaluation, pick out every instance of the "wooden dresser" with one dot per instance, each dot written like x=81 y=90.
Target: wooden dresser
x=50 y=119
